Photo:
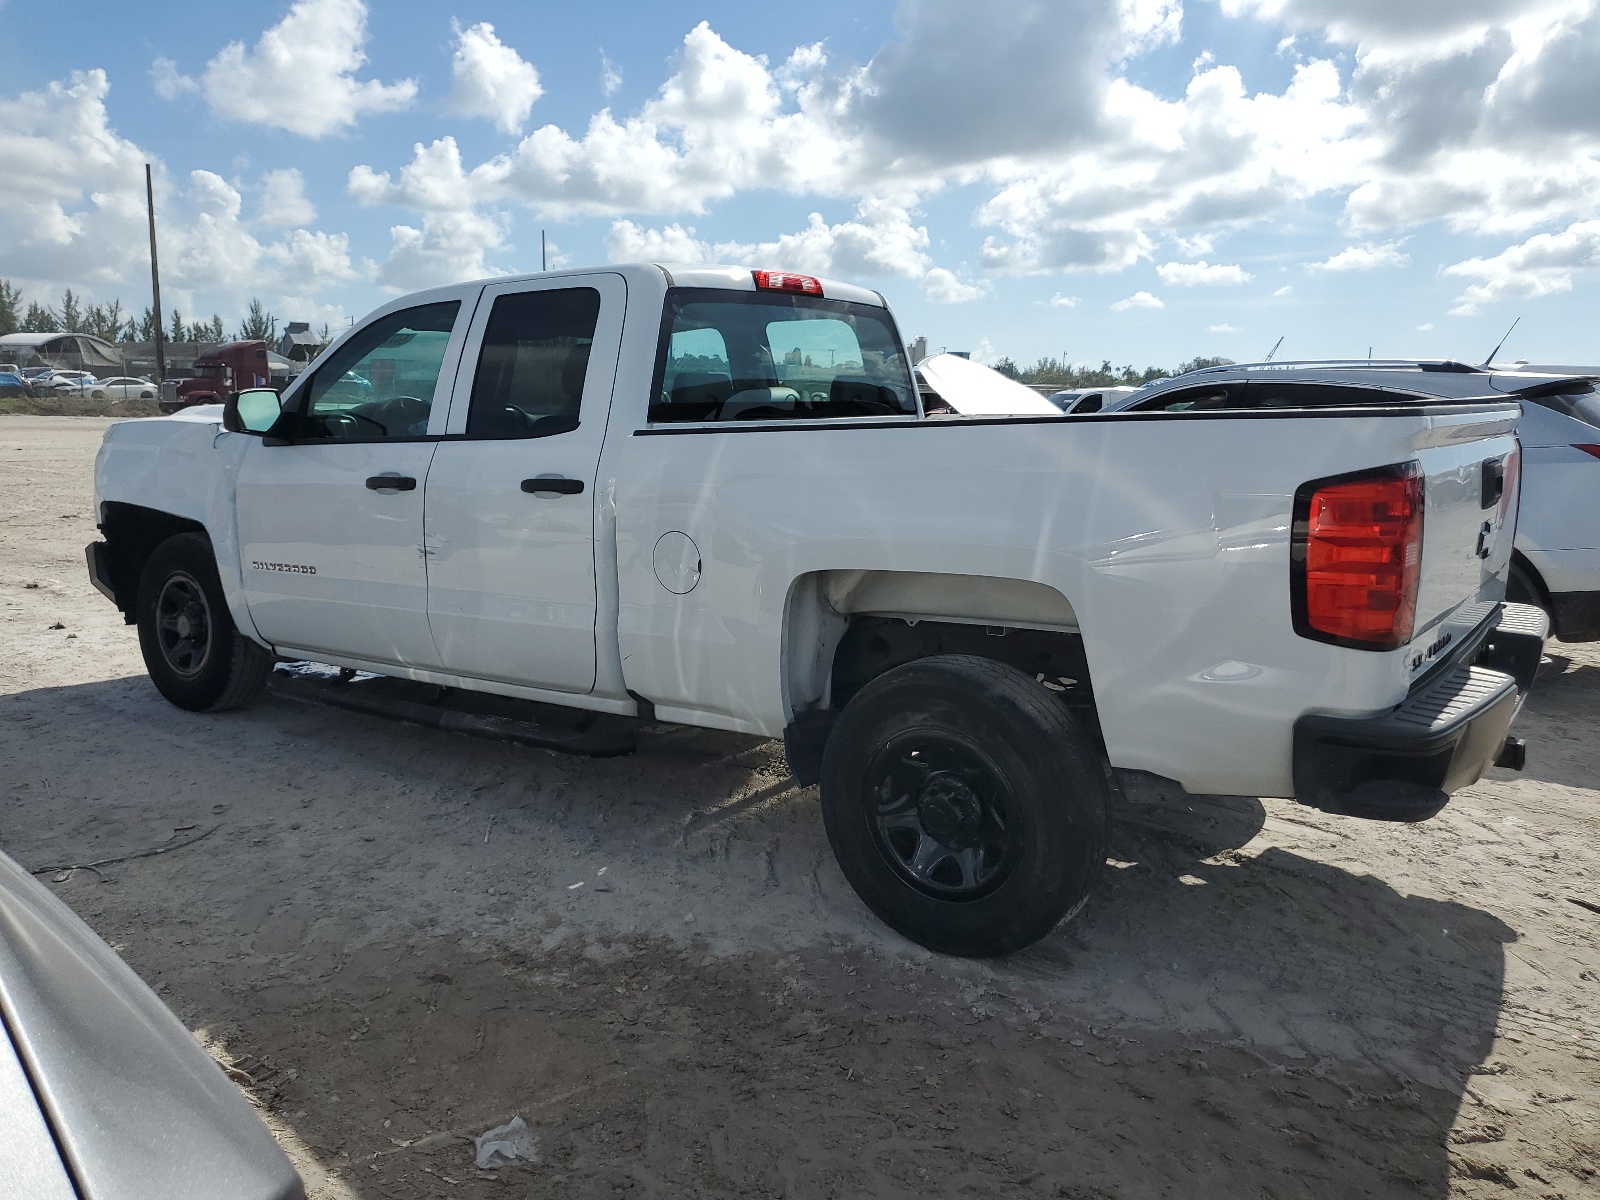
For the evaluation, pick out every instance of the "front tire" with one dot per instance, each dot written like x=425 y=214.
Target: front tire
x=196 y=656
x=965 y=804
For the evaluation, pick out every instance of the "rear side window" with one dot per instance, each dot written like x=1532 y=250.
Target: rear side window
x=1584 y=406
x=730 y=356
x=1207 y=396
x=533 y=364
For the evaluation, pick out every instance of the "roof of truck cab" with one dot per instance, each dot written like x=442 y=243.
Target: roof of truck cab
x=695 y=275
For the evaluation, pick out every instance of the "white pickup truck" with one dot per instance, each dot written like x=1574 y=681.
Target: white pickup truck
x=711 y=496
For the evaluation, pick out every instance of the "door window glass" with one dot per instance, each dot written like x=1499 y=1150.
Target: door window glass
x=381 y=383
x=728 y=356
x=533 y=364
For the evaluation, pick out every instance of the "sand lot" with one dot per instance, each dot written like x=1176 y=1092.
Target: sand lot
x=399 y=937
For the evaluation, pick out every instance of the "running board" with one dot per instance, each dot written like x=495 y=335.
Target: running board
x=476 y=714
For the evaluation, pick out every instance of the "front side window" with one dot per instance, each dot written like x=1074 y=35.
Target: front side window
x=730 y=356
x=533 y=364
x=381 y=383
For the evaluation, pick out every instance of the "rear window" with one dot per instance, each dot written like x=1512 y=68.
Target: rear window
x=733 y=356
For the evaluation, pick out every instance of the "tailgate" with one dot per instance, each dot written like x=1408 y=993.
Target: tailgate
x=1471 y=465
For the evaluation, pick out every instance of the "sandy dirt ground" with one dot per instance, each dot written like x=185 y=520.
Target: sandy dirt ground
x=399 y=937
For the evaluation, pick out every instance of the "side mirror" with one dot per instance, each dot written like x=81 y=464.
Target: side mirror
x=254 y=410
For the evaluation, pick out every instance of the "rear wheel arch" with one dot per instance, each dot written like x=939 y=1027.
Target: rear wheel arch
x=829 y=655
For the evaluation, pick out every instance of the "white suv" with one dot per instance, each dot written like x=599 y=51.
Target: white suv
x=1557 y=561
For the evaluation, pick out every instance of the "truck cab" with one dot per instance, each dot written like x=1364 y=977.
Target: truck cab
x=219 y=372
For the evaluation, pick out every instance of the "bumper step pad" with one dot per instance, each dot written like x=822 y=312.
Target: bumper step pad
x=1403 y=764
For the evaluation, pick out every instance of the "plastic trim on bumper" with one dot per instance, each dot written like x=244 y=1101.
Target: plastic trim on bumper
x=1576 y=616
x=96 y=554
x=1402 y=765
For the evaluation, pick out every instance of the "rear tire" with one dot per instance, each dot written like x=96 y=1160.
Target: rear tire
x=965 y=804
x=196 y=656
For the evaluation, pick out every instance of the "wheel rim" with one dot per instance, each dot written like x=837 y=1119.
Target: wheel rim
x=183 y=624
x=942 y=815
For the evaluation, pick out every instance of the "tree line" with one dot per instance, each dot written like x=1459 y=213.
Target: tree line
x=1059 y=373
x=112 y=323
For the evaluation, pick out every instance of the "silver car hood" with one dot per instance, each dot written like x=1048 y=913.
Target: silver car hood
x=137 y=1108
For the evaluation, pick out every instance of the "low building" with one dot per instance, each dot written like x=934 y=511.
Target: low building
x=63 y=351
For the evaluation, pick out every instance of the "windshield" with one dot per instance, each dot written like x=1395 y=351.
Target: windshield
x=733 y=356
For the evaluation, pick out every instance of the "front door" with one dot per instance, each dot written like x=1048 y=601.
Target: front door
x=330 y=526
x=510 y=495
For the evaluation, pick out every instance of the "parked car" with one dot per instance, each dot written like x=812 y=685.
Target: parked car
x=104 y=1095
x=1089 y=400
x=67 y=381
x=712 y=497
x=1556 y=565
x=120 y=388
x=13 y=384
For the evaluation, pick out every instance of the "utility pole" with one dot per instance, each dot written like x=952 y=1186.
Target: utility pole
x=542 y=265
x=155 y=282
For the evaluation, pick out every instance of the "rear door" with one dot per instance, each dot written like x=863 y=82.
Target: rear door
x=511 y=492
x=330 y=526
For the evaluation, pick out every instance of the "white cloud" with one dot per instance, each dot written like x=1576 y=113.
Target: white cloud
x=1541 y=266
x=1223 y=328
x=1366 y=257
x=168 y=82
x=490 y=79
x=1202 y=273
x=1061 y=301
x=941 y=286
x=72 y=214
x=1285 y=290
x=880 y=241
x=299 y=76
x=458 y=237
x=628 y=242
x=610 y=77
x=1138 y=300
x=283 y=200
x=1425 y=328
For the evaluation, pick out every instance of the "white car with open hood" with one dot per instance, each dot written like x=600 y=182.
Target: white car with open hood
x=711 y=496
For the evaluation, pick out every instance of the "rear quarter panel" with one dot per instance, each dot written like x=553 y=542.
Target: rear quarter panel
x=1168 y=535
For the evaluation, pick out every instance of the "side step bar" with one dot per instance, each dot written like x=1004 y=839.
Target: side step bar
x=593 y=735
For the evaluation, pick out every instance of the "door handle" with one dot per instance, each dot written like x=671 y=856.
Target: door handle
x=391 y=483
x=548 y=484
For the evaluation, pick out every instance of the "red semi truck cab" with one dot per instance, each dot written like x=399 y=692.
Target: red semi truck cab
x=230 y=367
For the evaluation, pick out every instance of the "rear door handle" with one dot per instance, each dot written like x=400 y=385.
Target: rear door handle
x=553 y=484
x=391 y=483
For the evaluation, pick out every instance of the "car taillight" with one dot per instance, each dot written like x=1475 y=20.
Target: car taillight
x=785 y=281
x=1587 y=448
x=1356 y=557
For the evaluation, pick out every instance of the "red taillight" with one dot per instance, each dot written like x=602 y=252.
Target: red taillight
x=785 y=281
x=1357 y=557
x=1588 y=449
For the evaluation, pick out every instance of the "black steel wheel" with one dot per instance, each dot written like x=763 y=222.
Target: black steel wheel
x=965 y=804
x=183 y=625
x=939 y=813
x=196 y=656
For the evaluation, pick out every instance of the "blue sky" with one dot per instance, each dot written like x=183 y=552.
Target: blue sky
x=1138 y=180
